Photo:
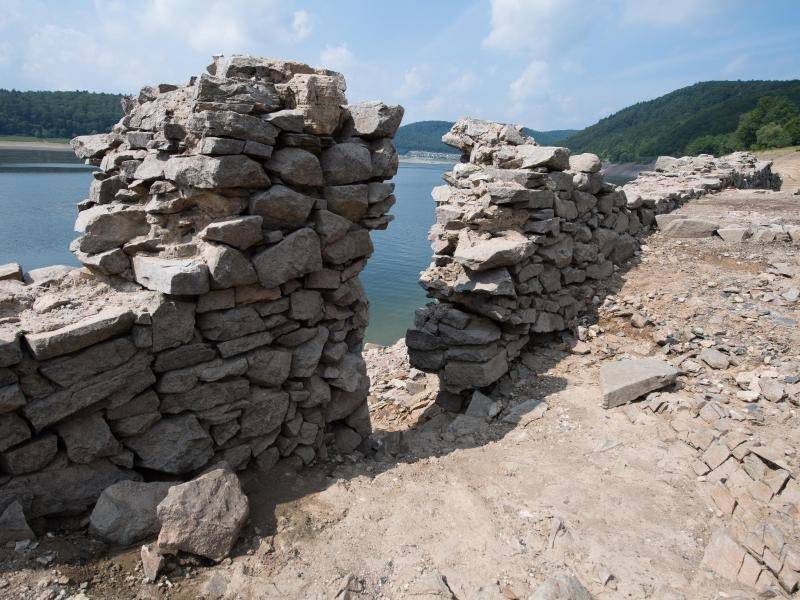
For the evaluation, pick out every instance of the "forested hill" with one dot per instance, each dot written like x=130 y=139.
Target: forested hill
x=714 y=116
x=426 y=136
x=57 y=114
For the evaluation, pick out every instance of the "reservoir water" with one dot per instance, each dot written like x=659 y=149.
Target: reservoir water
x=39 y=190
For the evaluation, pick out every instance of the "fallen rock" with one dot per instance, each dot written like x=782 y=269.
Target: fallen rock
x=432 y=586
x=732 y=234
x=152 y=562
x=481 y=406
x=126 y=511
x=626 y=380
x=11 y=271
x=690 y=228
x=525 y=412
x=561 y=587
x=203 y=516
x=13 y=526
x=714 y=358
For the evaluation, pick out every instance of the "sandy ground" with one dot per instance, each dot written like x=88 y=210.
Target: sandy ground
x=497 y=509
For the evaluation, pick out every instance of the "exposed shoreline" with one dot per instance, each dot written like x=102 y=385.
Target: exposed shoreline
x=56 y=146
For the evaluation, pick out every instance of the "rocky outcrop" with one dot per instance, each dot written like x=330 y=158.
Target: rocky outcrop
x=526 y=238
x=219 y=316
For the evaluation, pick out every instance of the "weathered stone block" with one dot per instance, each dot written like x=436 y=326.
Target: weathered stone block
x=84 y=333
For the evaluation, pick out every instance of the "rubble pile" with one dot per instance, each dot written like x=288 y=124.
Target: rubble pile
x=526 y=238
x=673 y=181
x=220 y=315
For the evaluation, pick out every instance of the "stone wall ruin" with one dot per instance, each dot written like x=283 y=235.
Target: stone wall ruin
x=220 y=315
x=526 y=238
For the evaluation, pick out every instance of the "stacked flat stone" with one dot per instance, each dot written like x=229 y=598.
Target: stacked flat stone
x=673 y=181
x=525 y=237
x=232 y=218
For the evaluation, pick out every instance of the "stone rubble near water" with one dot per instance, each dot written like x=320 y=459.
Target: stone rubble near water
x=219 y=314
x=535 y=479
x=527 y=236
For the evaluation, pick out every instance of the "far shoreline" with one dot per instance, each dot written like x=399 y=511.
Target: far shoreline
x=27 y=145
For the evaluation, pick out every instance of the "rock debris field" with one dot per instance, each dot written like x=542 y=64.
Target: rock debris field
x=638 y=439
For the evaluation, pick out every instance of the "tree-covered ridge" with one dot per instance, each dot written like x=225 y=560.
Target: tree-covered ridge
x=426 y=136
x=57 y=114
x=714 y=116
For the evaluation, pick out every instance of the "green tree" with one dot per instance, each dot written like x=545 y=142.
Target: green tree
x=768 y=110
x=792 y=127
x=772 y=135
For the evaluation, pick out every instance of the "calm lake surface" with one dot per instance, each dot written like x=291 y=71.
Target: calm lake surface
x=39 y=190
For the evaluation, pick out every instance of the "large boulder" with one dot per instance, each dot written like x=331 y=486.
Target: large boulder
x=203 y=516
x=125 y=513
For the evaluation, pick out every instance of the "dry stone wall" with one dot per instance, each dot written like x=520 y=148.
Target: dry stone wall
x=219 y=315
x=527 y=236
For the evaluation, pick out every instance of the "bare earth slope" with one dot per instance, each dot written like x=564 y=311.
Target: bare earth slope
x=626 y=499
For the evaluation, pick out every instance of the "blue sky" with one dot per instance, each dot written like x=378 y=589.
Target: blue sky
x=547 y=64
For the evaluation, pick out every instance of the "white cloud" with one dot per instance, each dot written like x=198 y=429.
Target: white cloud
x=53 y=52
x=5 y=53
x=532 y=25
x=301 y=24
x=737 y=65
x=660 y=14
x=465 y=82
x=415 y=81
x=534 y=82
x=339 y=58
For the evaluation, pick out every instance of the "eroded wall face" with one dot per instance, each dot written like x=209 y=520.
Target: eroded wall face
x=527 y=237
x=221 y=315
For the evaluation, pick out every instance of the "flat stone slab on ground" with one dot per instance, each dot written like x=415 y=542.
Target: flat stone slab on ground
x=627 y=380
x=690 y=228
